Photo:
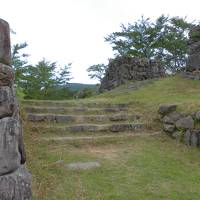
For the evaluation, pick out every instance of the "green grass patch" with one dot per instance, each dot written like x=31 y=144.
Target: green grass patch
x=137 y=168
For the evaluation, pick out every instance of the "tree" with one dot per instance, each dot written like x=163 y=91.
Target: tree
x=97 y=71
x=165 y=39
x=43 y=82
x=19 y=61
x=65 y=74
x=39 y=79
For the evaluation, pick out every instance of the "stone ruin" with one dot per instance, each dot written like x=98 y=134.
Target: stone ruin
x=193 y=61
x=123 y=69
x=181 y=126
x=15 y=180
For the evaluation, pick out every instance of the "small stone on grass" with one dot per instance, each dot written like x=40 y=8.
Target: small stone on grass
x=83 y=165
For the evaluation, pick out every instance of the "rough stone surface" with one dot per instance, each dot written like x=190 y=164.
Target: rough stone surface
x=16 y=185
x=80 y=118
x=187 y=137
x=195 y=138
x=6 y=75
x=10 y=157
x=197 y=115
x=6 y=102
x=169 y=128
x=185 y=123
x=125 y=127
x=83 y=165
x=180 y=126
x=5 y=53
x=165 y=109
x=15 y=181
x=123 y=69
x=193 y=61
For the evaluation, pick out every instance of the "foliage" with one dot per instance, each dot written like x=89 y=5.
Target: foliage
x=39 y=79
x=85 y=93
x=97 y=71
x=80 y=86
x=65 y=75
x=19 y=61
x=165 y=39
x=41 y=82
x=59 y=93
x=19 y=93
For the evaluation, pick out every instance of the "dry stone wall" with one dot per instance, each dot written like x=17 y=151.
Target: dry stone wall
x=193 y=61
x=181 y=126
x=123 y=69
x=15 y=180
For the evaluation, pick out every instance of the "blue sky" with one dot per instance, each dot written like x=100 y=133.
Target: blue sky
x=74 y=30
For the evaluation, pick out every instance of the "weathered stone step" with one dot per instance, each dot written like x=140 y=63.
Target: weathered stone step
x=92 y=104
x=96 y=138
x=80 y=118
x=122 y=127
x=74 y=110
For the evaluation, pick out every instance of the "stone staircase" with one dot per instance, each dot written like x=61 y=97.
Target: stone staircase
x=72 y=121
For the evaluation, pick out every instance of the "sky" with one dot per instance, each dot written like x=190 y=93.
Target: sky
x=73 y=31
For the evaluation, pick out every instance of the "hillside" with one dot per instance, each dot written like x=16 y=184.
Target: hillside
x=118 y=129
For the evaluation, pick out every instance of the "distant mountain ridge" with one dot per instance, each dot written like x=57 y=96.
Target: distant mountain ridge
x=80 y=86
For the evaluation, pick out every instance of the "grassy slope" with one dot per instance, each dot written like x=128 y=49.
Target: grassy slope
x=139 y=168
x=174 y=89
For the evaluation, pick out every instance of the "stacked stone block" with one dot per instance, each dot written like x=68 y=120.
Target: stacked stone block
x=193 y=61
x=180 y=126
x=15 y=180
x=123 y=69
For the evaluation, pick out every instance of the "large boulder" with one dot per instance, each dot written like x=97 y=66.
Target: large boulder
x=10 y=158
x=5 y=53
x=171 y=118
x=16 y=185
x=167 y=108
x=185 y=123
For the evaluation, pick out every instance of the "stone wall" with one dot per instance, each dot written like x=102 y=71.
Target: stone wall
x=193 y=61
x=15 y=181
x=181 y=126
x=123 y=69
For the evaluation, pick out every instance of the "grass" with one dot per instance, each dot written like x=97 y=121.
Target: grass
x=140 y=168
x=186 y=93
x=136 y=168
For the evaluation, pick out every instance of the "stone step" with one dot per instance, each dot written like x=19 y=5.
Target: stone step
x=97 y=138
x=74 y=110
x=92 y=104
x=80 y=118
x=119 y=127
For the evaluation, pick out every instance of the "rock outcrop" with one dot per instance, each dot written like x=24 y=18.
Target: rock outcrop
x=193 y=61
x=123 y=69
x=15 y=181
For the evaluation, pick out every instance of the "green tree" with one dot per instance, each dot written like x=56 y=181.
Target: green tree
x=19 y=61
x=97 y=71
x=165 y=39
x=39 y=79
x=43 y=82
x=65 y=74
